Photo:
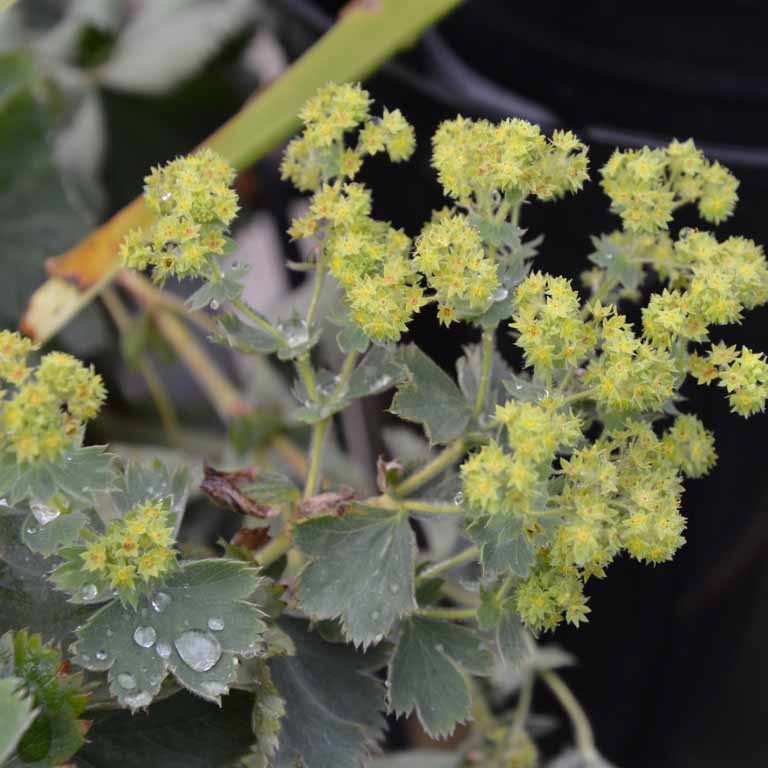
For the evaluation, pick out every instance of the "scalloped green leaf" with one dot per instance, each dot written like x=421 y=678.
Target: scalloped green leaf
x=194 y=627
x=427 y=673
x=503 y=548
x=268 y=711
x=182 y=731
x=617 y=262
x=17 y=711
x=361 y=570
x=77 y=475
x=56 y=732
x=430 y=397
x=333 y=703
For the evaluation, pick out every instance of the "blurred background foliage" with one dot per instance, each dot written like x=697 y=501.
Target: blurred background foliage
x=94 y=92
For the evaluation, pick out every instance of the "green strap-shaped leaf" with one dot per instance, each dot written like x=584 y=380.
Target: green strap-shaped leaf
x=427 y=672
x=430 y=397
x=194 y=627
x=16 y=715
x=333 y=704
x=361 y=570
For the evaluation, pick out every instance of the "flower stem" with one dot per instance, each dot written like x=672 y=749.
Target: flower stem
x=585 y=740
x=445 y=565
x=256 y=318
x=431 y=508
x=485 y=373
x=307 y=376
x=275 y=549
x=442 y=461
x=447 y=613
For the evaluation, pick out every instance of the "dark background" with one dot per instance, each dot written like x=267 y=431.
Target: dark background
x=672 y=664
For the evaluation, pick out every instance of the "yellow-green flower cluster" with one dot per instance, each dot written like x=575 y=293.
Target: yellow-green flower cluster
x=46 y=409
x=475 y=158
x=647 y=185
x=194 y=204
x=497 y=480
x=322 y=152
x=548 y=320
x=133 y=553
x=450 y=253
x=718 y=281
x=630 y=374
x=622 y=492
x=370 y=259
x=743 y=373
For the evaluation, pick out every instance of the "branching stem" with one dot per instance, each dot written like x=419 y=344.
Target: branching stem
x=585 y=740
x=470 y=553
x=485 y=373
x=442 y=461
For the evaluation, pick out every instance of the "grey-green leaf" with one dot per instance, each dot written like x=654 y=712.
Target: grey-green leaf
x=194 y=627
x=217 y=293
x=16 y=715
x=333 y=704
x=427 y=672
x=502 y=548
x=47 y=538
x=361 y=570
x=430 y=397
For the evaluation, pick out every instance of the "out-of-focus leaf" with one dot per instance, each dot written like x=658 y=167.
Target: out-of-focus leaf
x=333 y=704
x=166 y=43
x=430 y=397
x=427 y=672
x=361 y=570
x=16 y=714
x=180 y=732
x=419 y=758
x=28 y=599
x=56 y=733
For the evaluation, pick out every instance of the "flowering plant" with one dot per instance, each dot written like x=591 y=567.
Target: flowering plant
x=546 y=474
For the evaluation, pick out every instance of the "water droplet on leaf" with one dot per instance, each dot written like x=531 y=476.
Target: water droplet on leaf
x=215 y=623
x=163 y=650
x=459 y=498
x=160 y=601
x=145 y=636
x=88 y=591
x=43 y=513
x=199 y=650
x=214 y=305
x=394 y=588
x=126 y=681
x=101 y=655
x=375 y=615
x=215 y=689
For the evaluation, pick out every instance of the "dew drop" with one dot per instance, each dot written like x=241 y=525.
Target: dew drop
x=215 y=623
x=4 y=503
x=110 y=633
x=145 y=636
x=88 y=591
x=166 y=196
x=126 y=681
x=375 y=615
x=198 y=650
x=160 y=601
x=138 y=700
x=85 y=657
x=163 y=650
x=214 y=305
x=394 y=588
x=31 y=529
x=101 y=655
x=458 y=499
x=156 y=679
x=43 y=513
x=439 y=648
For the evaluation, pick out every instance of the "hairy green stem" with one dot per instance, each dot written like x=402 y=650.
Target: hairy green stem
x=451 y=614
x=485 y=373
x=431 y=508
x=307 y=376
x=585 y=394
x=316 y=291
x=256 y=318
x=585 y=740
x=442 y=461
x=524 y=702
x=315 y=458
x=470 y=553
x=275 y=549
